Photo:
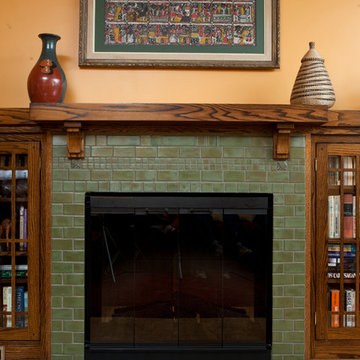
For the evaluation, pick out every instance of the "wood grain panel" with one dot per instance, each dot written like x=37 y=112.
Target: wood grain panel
x=22 y=350
x=45 y=246
x=14 y=116
x=179 y=112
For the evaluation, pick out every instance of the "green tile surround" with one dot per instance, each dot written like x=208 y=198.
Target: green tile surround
x=178 y=164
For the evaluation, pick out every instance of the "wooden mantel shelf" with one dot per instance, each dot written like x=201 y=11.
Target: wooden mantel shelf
x=75 y=118
x=179 y=113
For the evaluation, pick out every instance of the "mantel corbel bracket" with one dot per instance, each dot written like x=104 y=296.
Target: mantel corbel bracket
x=75 y=140
x=281 y=141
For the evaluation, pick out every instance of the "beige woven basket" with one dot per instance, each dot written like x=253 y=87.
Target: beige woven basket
x=313 y=85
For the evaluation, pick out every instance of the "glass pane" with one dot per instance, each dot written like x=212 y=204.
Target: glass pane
x=5 y=184
x=198 y=261
x=21 y=208
x=5 y=160
x=244 y=278
x=21 y=183
x=349 y=216
x=334 y=202
x=334 y=261
x=334 y=307
x=112 y=314
x=349 y=261
x=349 y=306
x=6 y=306
x=156 y=278
x=21 y=225
x=21 y=290
x=349 y=176
x=334 y=176
x=21 y=160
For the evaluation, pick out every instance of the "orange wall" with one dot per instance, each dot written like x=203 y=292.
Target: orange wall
x=332 y=24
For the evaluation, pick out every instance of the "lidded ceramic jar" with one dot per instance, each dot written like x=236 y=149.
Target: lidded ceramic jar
x=313 y=85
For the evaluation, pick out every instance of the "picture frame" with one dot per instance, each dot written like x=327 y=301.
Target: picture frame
x=223 y=34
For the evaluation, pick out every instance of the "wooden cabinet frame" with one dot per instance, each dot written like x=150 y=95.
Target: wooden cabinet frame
x=17 y=132
x=324 y=342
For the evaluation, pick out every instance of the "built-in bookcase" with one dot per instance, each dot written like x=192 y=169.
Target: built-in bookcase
x=19 y=260
x=337 y=241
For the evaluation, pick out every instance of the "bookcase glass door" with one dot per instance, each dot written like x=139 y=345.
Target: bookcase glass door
x=18 y=259
x=337 y=241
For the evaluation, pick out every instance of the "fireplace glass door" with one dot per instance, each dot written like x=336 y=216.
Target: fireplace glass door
x=178 y=275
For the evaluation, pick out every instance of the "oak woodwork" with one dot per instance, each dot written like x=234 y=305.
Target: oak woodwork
x=281 y=141
x=75 y=140
x=45 y=246
x=16 y=116
x=328 y=342
x=321 y=126
x=13 y=339
x=212 y=116
x=179 y=113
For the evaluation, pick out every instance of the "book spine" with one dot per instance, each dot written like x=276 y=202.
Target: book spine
x=335 y=306
x=350 y=301
x=337 y=216
x=331 y=216
x=26 y=299
x=19 y=305
x=21 y=227
x=348 y=216
x=5 y=305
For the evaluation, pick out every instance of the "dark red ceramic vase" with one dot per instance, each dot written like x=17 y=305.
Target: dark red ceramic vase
x=47 y=82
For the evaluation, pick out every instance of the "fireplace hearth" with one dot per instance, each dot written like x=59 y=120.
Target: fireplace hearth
x=178 y=275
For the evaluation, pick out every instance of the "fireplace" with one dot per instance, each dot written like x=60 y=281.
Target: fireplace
x=178 y=275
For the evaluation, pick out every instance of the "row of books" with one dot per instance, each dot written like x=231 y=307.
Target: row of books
x=21 y=271
x=349 y=306
x=349 y=216
x=21 y=305
x=334 y=261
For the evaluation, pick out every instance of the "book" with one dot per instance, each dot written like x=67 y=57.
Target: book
x=19 y=306
x=334 y=307
x=349 y=216
x=21 y=227
x=26 y=298
x=334 y=216
x=21 y=271
x=7 y=303
x=350 y=305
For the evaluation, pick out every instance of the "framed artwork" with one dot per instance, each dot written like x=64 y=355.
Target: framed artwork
x=179 y=33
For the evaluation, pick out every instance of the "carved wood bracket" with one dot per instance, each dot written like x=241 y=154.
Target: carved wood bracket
x=75 y=140
x=281 y=141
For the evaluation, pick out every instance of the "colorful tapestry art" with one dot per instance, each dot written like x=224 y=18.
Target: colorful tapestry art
x=182 y=23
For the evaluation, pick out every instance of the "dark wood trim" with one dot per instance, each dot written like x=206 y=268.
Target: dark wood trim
x=45 y=247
